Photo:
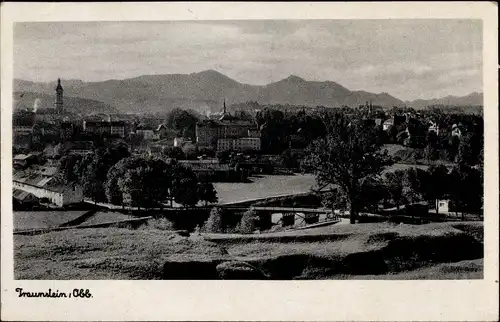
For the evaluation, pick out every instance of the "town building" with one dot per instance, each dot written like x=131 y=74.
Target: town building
x=239 y=144
x=44 y=186
x=233 y=133
x=146 y=132
x=105 y=128
x=213 y=170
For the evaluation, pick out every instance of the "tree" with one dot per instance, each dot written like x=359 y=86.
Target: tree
x=436 y=186
x=466 y=189
x=412 y=185
x=68 y=168
x=183 y=122
x=348 y=155
x=452 y=148
x=469 y=149
x=145 y=181
x=96 y=167
x=247 y=222
x=289 y=160
x=190 y=151
x=273 y=128
x=214 y=221
x=431 y=152
x=395 y=185
x=223 y=156
x=334 y=199
x=184 y=186
x=207 y=192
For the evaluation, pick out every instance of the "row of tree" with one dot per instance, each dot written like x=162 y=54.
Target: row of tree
x=349 y=160
x=282 y=125
x=111 y=174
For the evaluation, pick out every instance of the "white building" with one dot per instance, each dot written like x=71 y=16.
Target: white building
x=443 y=205
x=455 y=131
x=47 y=187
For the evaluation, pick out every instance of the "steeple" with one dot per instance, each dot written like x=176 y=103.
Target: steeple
x=224 y=111
x=59 y=87
x=59 y=97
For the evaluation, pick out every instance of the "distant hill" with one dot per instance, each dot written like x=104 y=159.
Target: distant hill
x=473 y=99
x=30 y=100
x=205 y=91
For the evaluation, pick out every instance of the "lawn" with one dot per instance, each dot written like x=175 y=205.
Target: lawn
x=366 y=251
x=102 y=253
x=44 y=219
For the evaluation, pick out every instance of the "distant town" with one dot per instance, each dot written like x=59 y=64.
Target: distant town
x=245 y=168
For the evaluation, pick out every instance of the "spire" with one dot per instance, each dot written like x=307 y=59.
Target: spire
x=59 y=87
x=224 y=105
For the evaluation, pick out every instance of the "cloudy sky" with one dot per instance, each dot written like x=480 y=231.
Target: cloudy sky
x=407 y=58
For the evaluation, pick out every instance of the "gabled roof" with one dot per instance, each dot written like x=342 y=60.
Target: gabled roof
x=23 y=195
x=21 y=157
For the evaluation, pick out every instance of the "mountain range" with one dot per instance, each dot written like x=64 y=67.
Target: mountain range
x=204 y=91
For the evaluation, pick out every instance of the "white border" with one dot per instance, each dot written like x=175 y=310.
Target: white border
x=214 y=300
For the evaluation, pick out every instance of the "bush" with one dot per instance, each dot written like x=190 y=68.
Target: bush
x=214 y=221
x=160 y=224
x=247 y=222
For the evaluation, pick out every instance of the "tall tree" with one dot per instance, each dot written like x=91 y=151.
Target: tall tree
x=207 y=192
x=436 y=186
x=348 y=155
x=183 y=122
x=184 y=186
x=466 y=189
x=97 y=166
x=395 y=184
x=145 y=181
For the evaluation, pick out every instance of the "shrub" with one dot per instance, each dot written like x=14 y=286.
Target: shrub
x=247 y=222
x=214 y=221
x=160 y=224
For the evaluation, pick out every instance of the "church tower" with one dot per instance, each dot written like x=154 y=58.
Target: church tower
x=59 y=97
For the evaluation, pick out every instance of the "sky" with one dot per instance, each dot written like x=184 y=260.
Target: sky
x=408 y=59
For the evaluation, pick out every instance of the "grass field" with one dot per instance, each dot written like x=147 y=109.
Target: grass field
x=263 y=187
x=43 y=219
x=362 y=251
x=105 y=217
x=103 y=253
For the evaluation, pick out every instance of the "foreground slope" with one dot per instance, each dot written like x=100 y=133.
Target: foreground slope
x=363 y=251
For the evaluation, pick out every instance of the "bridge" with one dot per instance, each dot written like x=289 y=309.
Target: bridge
x=267 y=216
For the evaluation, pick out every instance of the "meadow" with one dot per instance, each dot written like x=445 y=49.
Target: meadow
x=362 y=251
